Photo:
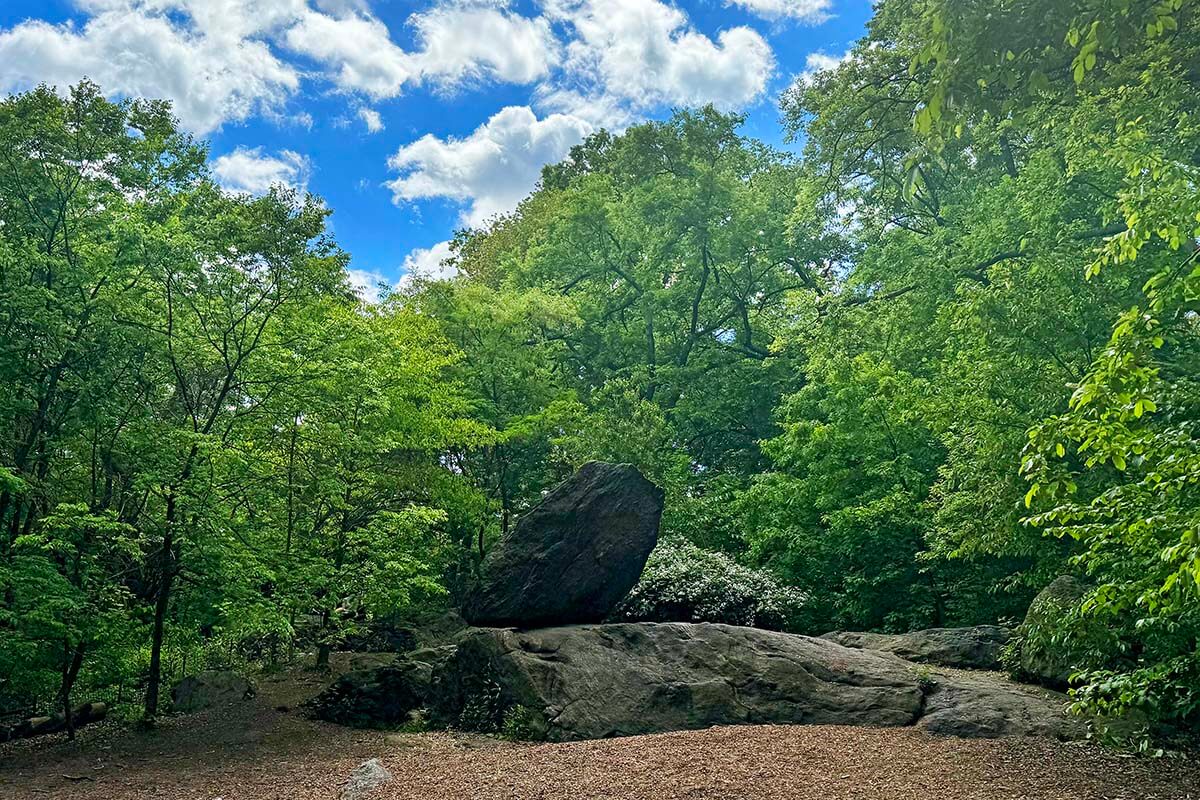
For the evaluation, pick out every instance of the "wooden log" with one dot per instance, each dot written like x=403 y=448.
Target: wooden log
x=40 y=726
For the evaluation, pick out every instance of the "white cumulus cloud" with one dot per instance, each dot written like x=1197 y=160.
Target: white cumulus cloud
x=357 y=49
x=372 y=119
x=644 y=53
x=369 y=285
x=820 y=62
x=810 y=11
x=465 y=41
x=222 y=61
x=428 y=263
x=459 y=41
x=250 y=170
x=490 y=170
x=211 y=77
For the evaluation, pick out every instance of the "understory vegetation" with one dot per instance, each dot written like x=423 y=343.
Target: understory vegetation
x=944 y=350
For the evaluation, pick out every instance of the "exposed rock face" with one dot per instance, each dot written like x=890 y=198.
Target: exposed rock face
x=382 y=695
x=589 y=682
x=596 y=681
x=382 y=637
x=1049 y=665
x=572 y=557
x=208 y=689
x=987 y=707
x=965 y=648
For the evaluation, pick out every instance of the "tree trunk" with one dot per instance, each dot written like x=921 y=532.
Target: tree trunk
x=82 y=715
x=69 y=674
x=162 y=602
x=651 y=356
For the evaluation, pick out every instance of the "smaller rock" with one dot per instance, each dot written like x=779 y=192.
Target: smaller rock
x=1037 y=660
x=366 y=778
x=365 y=661
x=381 y=637
x=437 y=628
x=210 y=688
x=977 y=647
x=383 y=696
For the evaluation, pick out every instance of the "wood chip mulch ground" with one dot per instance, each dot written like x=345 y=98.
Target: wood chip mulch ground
x=257 y=752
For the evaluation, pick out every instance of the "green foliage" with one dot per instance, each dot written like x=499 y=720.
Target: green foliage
x=842 y=518
x=683 y=583
x=906 y=378
x=522 y=724
x=627 y=311
x=1114 y=472
x=210 y=451
x=484 y=709
x=926 y=680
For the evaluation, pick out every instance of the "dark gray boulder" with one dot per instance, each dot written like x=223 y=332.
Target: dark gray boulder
x=572 y=557
x=977 y=647
x=208 y=689
x=596 y=681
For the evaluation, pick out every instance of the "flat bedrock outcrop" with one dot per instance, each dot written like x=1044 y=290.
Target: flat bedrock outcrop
x=977 y=647
x=597 y=681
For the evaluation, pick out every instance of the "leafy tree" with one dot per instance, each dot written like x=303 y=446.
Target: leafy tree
x=68 y=600
x=963 y=243
x=627 y=310
x=207 y=435
x=1117 y=470
x=843 y=515
x=513 y=345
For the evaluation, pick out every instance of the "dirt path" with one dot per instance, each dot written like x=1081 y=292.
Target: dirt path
x=255 y=752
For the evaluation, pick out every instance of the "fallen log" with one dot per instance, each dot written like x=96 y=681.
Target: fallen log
x=40 y=726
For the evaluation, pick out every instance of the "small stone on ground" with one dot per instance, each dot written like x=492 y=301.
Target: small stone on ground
x=366 y=778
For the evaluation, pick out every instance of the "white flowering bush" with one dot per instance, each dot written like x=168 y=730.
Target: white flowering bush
x=684 y=583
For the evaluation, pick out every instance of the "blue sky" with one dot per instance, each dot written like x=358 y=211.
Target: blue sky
x=414 y=118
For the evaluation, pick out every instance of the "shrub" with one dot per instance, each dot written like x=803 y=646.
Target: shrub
x=483 y=708
x=523 y=724
x=684 y=583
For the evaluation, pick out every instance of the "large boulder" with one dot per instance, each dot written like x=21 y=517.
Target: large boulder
x=595 y=681
x=1039 y=656
x=572 y=557
x=210 y=688
x=977 y=647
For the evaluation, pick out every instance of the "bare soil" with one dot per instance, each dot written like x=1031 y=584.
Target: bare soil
x=254 y=751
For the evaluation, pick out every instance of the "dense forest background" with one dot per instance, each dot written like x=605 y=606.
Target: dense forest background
x=902 y=380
